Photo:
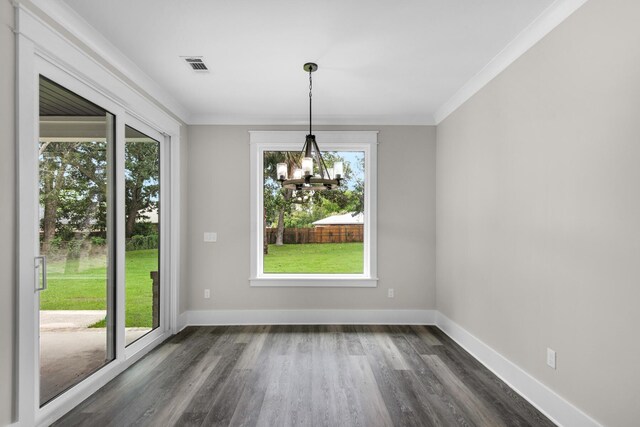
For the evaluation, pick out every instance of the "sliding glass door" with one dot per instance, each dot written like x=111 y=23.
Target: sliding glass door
x=96 y=163
x=98 y=286
x=76 y=239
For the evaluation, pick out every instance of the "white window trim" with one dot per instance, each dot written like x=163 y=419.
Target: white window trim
x=367 y=141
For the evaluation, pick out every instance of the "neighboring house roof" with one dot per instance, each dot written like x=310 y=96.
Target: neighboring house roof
x=344 y=219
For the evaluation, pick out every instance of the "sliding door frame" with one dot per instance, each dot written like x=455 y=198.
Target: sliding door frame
x=43 y=51
x=164 y=233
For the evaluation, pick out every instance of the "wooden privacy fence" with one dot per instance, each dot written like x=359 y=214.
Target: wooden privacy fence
x=326 y=234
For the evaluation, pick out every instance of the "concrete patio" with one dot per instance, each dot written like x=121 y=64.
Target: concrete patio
x=70 y=350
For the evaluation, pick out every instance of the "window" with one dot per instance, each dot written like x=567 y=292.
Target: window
x=325 y=238
x=76 y=147
x=142 y=234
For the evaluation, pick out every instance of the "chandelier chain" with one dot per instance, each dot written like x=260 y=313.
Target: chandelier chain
x=310 y=96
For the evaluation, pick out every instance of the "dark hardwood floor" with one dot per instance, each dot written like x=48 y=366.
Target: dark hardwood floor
x=307 y=375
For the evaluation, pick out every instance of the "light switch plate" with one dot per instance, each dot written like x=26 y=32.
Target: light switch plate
x=210 y=237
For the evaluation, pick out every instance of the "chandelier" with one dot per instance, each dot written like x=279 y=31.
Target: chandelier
x=312 y=174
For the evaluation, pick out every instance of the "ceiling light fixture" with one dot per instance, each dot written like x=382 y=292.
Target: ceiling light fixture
x=312 y=174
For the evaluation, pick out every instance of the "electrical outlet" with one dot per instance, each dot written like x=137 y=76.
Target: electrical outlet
x=210 y=237
x=207 y=294
x=551 y=358
x=391 y=293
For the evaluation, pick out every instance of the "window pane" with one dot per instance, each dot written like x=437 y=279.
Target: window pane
x=76 y=210
x=142 y=229
x=318 y=232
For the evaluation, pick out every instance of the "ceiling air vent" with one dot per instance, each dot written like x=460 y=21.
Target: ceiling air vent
x=196 y=63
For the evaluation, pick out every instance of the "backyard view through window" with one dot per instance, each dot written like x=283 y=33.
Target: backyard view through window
x=142 y=220
x=319 y=232
x=76 y=236
x=77 y=195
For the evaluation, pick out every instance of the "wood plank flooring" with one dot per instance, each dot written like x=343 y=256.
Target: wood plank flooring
x=306 y=376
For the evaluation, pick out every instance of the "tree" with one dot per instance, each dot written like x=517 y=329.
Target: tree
x=73 y=188
x=142 y=180
x=280 y=199
x=52 y=176
x=286 y=208
x=73 y=191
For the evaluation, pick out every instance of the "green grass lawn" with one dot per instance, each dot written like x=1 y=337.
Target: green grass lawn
x=344 y=258
x=85 y=289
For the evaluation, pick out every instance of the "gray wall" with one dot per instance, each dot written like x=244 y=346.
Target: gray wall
x=538 y=211
x=219 y=201
x=7 y=211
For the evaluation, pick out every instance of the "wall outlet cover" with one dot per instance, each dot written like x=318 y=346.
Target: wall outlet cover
x=551 y=358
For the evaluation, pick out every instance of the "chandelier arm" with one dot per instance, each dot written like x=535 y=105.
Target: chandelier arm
x=321 y=164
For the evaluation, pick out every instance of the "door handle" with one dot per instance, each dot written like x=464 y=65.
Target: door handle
x=41 y=264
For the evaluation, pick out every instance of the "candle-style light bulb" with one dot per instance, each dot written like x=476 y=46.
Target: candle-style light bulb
x=338 y=170
x=307 y=166
x=297 y=173
x=282 y=171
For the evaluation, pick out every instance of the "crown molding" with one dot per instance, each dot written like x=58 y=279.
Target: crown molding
x=302 y=120
x=95 y=43
x=555 y=14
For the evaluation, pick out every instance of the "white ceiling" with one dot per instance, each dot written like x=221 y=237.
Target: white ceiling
x=380 y=61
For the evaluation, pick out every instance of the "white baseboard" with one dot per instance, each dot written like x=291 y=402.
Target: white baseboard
x=182 y=321
x=539 y=395
x=310 y=317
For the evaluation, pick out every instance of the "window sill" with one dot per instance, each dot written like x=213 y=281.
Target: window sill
x=313 y=281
